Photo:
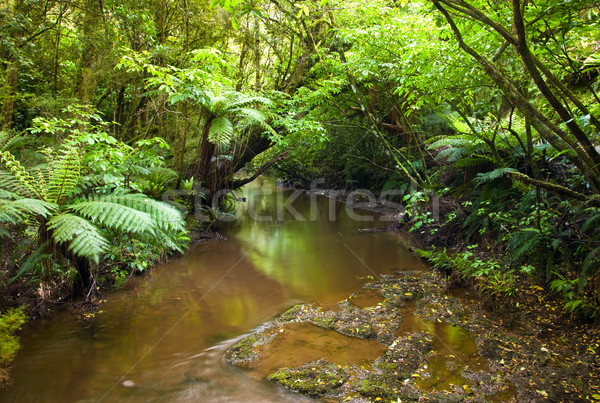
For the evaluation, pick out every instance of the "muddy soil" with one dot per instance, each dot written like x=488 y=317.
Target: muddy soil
x=428 y=343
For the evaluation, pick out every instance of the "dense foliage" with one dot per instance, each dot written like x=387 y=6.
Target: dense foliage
x=492 y=106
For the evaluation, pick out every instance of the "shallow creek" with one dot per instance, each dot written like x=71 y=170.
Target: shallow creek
x=162 y=336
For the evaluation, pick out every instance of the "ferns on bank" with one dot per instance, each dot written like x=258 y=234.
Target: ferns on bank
x=81 y=237
x=49 y=199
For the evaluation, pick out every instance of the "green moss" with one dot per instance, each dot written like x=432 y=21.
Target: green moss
x=244 y=351
x=374 y=388
x=314 y=379
x=327 y=322
x=10 y=323
x=292 y=313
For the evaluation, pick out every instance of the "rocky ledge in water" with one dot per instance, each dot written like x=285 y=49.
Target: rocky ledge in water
x=426 y=344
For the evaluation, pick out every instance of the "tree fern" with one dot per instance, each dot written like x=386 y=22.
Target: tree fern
x=15 y=211
x=165 y=217
x=221 y=130
x=457 y=147
x=65 y=174
x=21 y=180
x=80 y=236
x=485 y=177
x=113 y=215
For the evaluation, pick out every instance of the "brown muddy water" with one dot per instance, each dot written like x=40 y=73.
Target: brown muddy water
x=162 y=337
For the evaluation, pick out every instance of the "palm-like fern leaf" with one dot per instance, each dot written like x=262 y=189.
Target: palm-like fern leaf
x=21 y=181
x=7 y=194
x=65 y=173
x=8 y=140
x=81 y=236
x=221 y=130
x=243 y=102
x=251 y=114
x=113 y=215
x=165 y=217
x=33 y=259
x=15 y=211
x=485 y=177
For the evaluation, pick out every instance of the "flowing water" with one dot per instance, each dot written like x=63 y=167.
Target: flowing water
x=162 y=337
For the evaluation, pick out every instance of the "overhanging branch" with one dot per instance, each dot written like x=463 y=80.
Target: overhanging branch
x=241 y=182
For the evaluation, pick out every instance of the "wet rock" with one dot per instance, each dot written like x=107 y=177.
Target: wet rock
x=405 y=355
x=245 y=352
x=314 y=379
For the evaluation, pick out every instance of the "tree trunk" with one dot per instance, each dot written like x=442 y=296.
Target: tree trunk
x=579 y=154
x=206 y=153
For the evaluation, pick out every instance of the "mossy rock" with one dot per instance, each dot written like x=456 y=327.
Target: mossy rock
x=314 y=379
x=374 y=387
x=294 y=313
x=405 y=355
x=328 y=322
x=244 y=352
x=353 y=321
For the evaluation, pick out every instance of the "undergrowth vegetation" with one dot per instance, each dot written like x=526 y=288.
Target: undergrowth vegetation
x=482 y=119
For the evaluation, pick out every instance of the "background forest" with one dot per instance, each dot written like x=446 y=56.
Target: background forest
x=106 y=106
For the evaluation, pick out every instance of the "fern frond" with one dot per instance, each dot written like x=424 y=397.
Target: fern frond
x=33 y=260
x=15 y=211
x=251 y=114
x=244 y=102
x=221 y=130
x=451 y=154
x=82 y=237
x=168 y=240
x=65 y=174
x=257 y=117
x=114 y=215
x=4 y=139
x=22 y=181
x=591 y=222
x=522 y=243
x=8 y=140
x=8 y=195
x=166 y=217
x=490 y=176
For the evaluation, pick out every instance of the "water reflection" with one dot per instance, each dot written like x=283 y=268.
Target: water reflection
x=161 y=338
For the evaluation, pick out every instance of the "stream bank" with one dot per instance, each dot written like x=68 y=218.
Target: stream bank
x=436 y=344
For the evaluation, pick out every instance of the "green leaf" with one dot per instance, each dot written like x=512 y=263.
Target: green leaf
x=33 y=259
x=221 y=130
x=115 y=216
x=81 y=236
x=15 y=211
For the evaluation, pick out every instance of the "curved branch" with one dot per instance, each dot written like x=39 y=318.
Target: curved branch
x=241 y=182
